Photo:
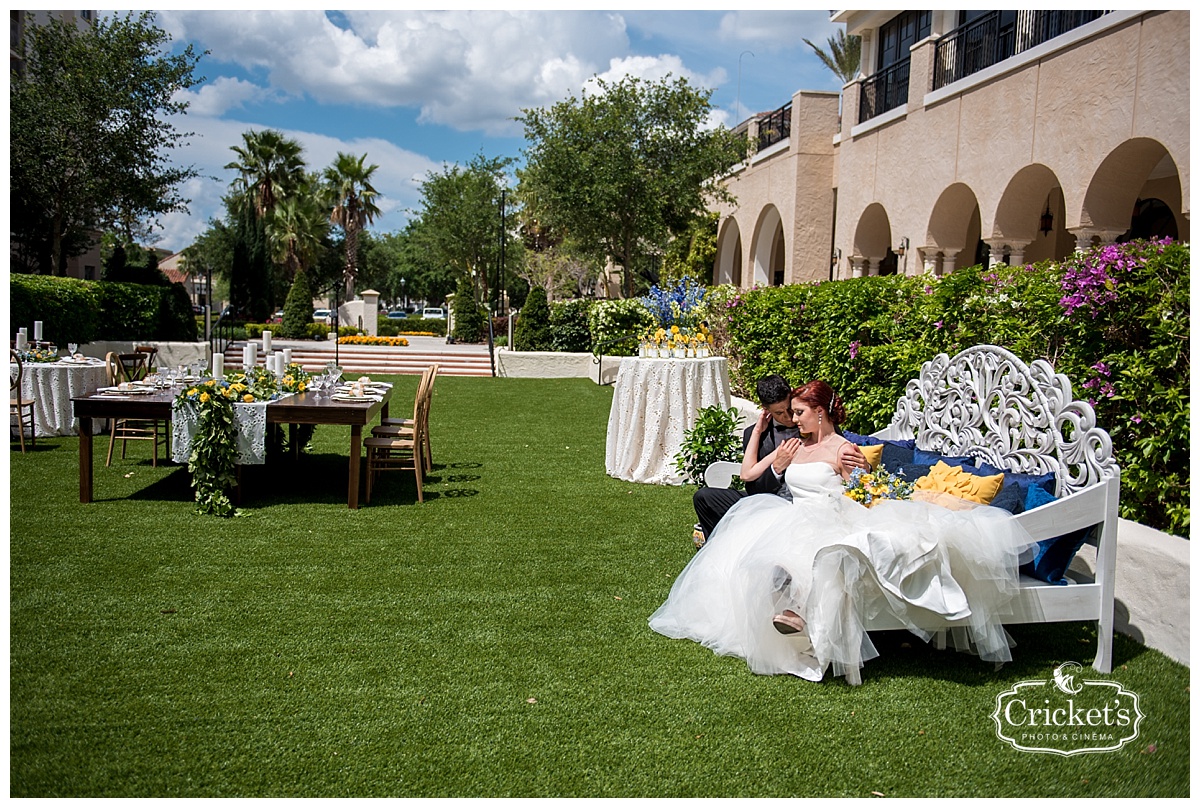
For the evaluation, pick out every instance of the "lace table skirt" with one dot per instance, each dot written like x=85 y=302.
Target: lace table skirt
x=654 y=402
x=249 y=420
x=52 y=386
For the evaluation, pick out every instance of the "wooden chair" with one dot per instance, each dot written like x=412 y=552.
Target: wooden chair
x=403 y=427
x=136 y=365
x=123 y=368
x=151 y=353
x=18 y=406
x=398 y=453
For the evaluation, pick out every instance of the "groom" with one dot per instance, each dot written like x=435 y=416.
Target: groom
x=775 y=395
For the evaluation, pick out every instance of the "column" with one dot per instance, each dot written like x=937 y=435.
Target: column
x=1083 y=237
x=856 y=266
x=948 y=261
x=873 y=266
x=1016 y=253
x=929 y=255
x=996 y=249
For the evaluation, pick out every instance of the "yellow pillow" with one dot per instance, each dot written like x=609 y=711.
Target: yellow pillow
x=874 y=454
x=952 y=480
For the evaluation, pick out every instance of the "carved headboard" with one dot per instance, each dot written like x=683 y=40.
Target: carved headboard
x=987 y=403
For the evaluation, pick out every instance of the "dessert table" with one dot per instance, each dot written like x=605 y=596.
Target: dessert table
x=52 y=385
x=309 y=407
x=655 y=401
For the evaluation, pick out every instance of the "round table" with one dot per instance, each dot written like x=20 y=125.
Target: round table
x=52 y=385
x=655 y=401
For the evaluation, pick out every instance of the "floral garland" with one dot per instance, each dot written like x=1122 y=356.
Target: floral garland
x=40 y=355
x=213 y=459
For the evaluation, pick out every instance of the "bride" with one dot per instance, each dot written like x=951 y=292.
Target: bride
x=787 y=586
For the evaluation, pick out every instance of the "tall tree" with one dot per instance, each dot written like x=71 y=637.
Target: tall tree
x=91 y=126
x=843 y=57
x=295 y=229
x=348 y=181
x=270 y=167
x=623 y=168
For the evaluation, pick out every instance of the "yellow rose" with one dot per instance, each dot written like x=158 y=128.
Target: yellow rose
x=247 y=398
x=204 y=398
x=301 y=387
x=192 y=392
x=288 y=380
x=210 y=383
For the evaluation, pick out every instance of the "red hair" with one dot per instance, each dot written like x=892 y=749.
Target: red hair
x=819 y=395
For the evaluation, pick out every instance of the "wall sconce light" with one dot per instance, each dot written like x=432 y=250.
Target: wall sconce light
x=903 y=246
x=1046 y=224
x=837 y=255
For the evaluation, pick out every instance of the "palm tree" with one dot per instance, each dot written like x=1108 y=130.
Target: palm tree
x=295 y=230
x=348 y=183
x=270 y=167
x=845 y=53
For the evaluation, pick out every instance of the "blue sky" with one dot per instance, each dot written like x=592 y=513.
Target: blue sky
x=416 y=90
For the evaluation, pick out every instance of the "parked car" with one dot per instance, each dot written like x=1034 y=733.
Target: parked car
x=433 y=313
x=277 y=317
x=397 y=315
x=323 y=316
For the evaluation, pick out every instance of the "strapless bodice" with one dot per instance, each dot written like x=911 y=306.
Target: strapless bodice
x=812 y=479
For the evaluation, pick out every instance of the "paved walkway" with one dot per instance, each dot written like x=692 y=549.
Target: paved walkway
x=453 y=359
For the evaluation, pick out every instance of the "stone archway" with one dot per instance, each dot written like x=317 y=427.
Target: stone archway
x=1030 y=222
x=953 y=229
x=872 y=241
x=768 y=255
x=1140 y=168
x=728 y=266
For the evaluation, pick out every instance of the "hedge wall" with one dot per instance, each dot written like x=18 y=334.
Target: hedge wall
x=72 y=310
x=1115 y=320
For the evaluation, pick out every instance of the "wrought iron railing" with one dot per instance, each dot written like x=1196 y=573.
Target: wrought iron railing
x=997 y=36
x=775 y=127
x=883 y=91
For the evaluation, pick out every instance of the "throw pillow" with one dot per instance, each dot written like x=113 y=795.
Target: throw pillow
x=952 y=480
x=930 y=458
x=873 y=454
x=1053 y=556
x=1011 y=498
x=896 y=457
x=1045 y=481
x=871 y=440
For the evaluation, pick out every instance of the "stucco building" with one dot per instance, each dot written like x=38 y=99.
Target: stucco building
x=969 y=136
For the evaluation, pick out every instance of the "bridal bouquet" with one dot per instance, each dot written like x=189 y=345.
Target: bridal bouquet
x=870 y=486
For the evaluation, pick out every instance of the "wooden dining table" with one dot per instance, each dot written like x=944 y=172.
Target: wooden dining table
x=303 y=408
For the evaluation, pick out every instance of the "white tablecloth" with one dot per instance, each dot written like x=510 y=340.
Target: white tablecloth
x=249 y=420
x=52 y=385
x=654 y=402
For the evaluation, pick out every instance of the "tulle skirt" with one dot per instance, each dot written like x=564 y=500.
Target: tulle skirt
x=911 y=564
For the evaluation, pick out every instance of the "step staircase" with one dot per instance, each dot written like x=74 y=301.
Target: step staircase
x=379 y=359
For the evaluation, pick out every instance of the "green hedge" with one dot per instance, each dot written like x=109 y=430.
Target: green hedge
x=569 y=330
x=1114 y=320
x=418 y=324
x=72 y=310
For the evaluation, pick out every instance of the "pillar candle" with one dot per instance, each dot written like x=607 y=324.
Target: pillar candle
x=218 y=366
x=253 y=353
x=287 y=357
x=37 y=330
x=267 y=342
x=247 y=361
x=280 y=365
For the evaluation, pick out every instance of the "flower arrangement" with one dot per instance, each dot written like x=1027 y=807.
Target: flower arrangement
x=676 y=341
x=678 y=305
x=49 y=354
x=868 y=487
x=366 y=339
x=295 y=379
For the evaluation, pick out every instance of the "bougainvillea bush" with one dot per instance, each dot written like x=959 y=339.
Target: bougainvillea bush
x=1114 y=320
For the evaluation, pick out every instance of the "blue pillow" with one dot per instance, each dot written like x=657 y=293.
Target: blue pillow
x=931 y=459
x=910 y=471
x=1011 y=498
x=1053 y=556
x=894 y=457
x=871 y=440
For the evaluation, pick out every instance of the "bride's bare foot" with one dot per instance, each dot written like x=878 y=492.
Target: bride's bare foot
x=788 y=622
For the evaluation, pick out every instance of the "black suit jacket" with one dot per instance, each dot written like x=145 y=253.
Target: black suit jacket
x=769 y=482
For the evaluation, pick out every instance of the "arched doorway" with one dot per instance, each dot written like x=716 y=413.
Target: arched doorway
x=728 y=266
x=954 y=228
x=1030 y=223
x=769 y=255
x=1139 y=169
x=872 y=241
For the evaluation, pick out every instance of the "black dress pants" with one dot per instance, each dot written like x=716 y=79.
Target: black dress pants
x=713 y=503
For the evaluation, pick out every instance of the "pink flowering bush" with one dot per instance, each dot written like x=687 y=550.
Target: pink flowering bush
x=1115 y=320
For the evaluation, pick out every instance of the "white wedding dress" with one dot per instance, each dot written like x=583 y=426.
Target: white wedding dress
x=835 y=562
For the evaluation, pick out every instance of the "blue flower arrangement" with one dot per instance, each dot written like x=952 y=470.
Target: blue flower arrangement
x=675 y=305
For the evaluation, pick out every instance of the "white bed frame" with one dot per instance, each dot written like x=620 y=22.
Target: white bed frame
x=987 y=403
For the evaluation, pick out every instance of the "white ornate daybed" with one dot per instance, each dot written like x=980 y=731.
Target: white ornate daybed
x=986 y=403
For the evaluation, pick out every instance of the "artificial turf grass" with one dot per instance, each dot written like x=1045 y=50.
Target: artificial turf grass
x=306 y=649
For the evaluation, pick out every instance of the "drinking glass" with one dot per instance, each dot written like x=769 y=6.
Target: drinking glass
x=72 y=347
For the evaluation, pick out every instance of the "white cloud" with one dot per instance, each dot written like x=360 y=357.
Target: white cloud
x=776 y=29
x=654 y=68
x=221 y=95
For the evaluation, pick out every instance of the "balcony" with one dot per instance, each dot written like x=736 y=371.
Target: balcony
x=775 y=127
x=883 y=91
x=997 y=36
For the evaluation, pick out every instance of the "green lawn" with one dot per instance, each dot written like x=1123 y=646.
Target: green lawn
x=490 y=642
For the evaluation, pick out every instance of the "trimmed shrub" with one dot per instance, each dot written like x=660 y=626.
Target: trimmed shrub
x=387 y=326
x=130 y=311
x=176 y=322
x=420 y=324
x=616 y=326
x=317 y=331
x=533 y=324
x=569 y=326
x=298 y=309
x=470 y=318
x=68 y=308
